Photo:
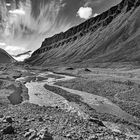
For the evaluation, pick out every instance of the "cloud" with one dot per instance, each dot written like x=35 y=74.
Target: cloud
x=85 y=12
x=95 y=15
x=17 y=12
x=13 y=49
x=2 y=44
x=27 y=23
x=22 y=58
x=8 y=4
x=41 y=20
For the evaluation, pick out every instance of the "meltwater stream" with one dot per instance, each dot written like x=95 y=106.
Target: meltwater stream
x=38 y=94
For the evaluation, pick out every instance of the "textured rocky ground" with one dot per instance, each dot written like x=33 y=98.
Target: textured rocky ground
x=96 y=98
x=83 y=116
x=34 y=122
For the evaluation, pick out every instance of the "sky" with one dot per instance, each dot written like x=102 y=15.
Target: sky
x=24 y=24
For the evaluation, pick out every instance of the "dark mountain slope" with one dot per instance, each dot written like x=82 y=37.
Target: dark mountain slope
x=113 y=36
x=5 y=57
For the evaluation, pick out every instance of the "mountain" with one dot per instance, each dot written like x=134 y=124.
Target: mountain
x=22 y=56
x=5 y=57
x=113 y=36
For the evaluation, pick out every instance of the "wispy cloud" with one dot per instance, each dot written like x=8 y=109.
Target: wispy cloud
x=45 y=21
x=13 y=49
x=23 y=27
x=17 y=12
x=2 y=44
x=8 y=4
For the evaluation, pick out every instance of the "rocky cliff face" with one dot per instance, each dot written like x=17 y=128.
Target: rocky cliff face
x=112 y=36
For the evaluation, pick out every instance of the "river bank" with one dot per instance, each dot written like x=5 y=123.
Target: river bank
x=56 y=108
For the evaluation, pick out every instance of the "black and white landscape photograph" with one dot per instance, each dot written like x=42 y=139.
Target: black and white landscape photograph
x=69 y=69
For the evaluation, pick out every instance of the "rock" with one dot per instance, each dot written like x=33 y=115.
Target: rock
x=70 y=68
x=9 y=119
x=69 y=136
x=40 y=119
x=87 y=70
x=57 y=107
x=1 y=136
x=27 y=134
x=26 y=129
x=45 y=135
x=1 y=119
x=100 y=123
x=8 y=130
x=94 y=138
x=30 y=120
x=1 y=116
x=25 y=118
x=33 y=135
x=59 y=138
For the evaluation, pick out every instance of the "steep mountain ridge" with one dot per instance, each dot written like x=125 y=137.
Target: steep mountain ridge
x=5 y=57
x=112 y=36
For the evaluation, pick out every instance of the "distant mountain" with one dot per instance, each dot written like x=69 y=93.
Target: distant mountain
x=22 y=56
x=5 y=57
x=113 y=36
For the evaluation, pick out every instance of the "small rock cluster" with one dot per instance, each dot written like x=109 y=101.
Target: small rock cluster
x=41 y=135
x=30 y=122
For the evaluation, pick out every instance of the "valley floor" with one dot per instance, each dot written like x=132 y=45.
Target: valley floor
x=69 y=103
